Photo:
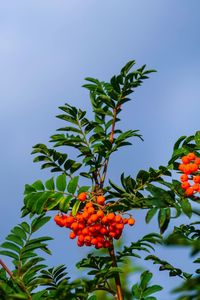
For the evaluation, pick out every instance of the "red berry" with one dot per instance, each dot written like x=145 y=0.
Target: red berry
x=101 y=200
x=191 y=156
x=185 y=185
x=185 y=159
x=184 y=177
x=189 y=191
x=82 y=196
x=131 y=221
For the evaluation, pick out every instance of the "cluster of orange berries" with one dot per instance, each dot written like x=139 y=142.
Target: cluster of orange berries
x=190 y=178
x=93 y=226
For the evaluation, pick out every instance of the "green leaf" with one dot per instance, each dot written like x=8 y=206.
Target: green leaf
x=64 y=203
x=19 y=232
x=150 y=214
x=61 y=182
x=197 y=138
x=25 y=226
x=75 y=207
x=11 y=246
x=161 y=217
x=9 y=253
x=15 y=239
x=145 y=278
x=38 y=185
x=39 y=222
x=50 y=184
x=186 y=207
x=72 y=185
x=151 y=290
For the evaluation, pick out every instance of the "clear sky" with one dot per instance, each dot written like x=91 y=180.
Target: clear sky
x=47 y=48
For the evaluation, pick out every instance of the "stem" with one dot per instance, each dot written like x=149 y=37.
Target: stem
x=6 y=268
x=19 y=283
x=111 y=138
x=117 y=277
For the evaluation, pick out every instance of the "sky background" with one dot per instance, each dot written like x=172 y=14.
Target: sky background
x=47 y=48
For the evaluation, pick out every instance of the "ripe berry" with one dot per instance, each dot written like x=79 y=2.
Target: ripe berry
x=82 y=196
x=197 y=161
x=90 y=210
x=196 y=179
x=184 y=177
x=111 y=216
x=185 y=159
x=100 y=213
x=191 y=156
x=131 y=221
x=185 y=185
x=101 y=200
x=72 y=235
x=189 y=191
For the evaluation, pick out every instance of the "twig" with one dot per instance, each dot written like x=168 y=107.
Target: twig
x=117 y=277
x=6 y=268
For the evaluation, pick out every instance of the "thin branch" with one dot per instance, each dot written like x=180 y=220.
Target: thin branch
x=111 y=139
x=6 y=268
x=117 y=277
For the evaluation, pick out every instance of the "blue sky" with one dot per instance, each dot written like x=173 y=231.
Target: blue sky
x=49 y=47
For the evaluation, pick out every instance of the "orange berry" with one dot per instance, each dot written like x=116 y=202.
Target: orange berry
x=197 y=161
x=193 y=167
x=185 y=185
x=184 y=177
x=100 y=213
x=131 y=221
x=90 y=210
x=94 y=241
x=189 y=191
x=94 y=217
x=104 y=220
x=196 y=187
x=125 y=220
x=60 y=220
x=119 y=226
x=101 y=200
x=89 y=204
x=85 y=231
x=85 y=215
x=87 y=238
x=196 y=179
x=111 y=216
x=112 y=234
x=80 y=244
x=181 y=167
x=118 y=218
x=75 y=226
x=81 y=226
x=81 y=238
x=103 y=230
x=185 y=159
x=72 y=235
x=82 y=196
x=187 y=169
x=191 y=156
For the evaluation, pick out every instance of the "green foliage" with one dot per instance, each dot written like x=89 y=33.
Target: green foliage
x=155 y=190
x=23 y=249
x=142 y=291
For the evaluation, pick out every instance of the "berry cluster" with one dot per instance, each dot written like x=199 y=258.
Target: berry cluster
x=190 y=178
x=92 y=225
